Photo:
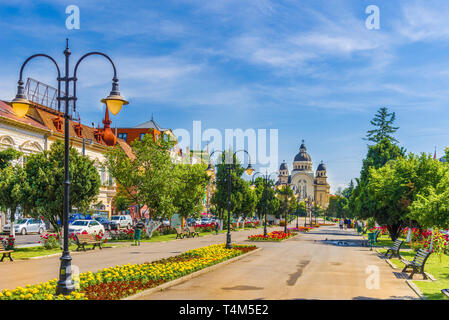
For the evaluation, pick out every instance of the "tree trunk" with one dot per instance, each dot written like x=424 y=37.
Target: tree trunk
x=394 y=230
x=11 y=219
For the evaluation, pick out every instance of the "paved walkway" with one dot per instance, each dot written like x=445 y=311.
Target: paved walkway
x=305 y=267
x=23 y=272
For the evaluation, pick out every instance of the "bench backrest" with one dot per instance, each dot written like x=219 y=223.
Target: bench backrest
x=191 y=229
x=2 y=247
x=421 y=257
x=179 y=230
x=82 y=238
x=397 y=244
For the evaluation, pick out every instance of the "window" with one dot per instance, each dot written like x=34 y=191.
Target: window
x=141 y=136
x=123 y=136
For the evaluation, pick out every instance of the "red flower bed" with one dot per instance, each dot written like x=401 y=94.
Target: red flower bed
x=271 y=236
x=116 y=290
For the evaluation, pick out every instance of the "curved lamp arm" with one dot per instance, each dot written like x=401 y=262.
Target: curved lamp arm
x=115 y=88
x=20 y=89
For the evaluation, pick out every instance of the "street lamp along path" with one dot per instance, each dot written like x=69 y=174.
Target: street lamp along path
x=20 y=105
x=266 y=180
x=229 y=167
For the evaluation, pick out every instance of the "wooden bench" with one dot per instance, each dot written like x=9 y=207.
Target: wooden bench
x=180 y=233
x=395 y=249
x=6 y=253
x=87 y=239
x=191 y=232
x=417 y=264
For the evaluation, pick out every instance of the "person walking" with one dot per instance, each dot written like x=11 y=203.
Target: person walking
x=138 y=232
x=346 y=223
x=341 y=223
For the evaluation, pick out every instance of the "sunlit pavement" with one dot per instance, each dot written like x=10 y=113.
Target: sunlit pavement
x=23 y=272
x=305 y=267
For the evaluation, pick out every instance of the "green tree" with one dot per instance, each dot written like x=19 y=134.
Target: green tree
x=8 y=155
x=190 y=189
x=220 y=197
x=249 y=201
x=45 y=177
x=383 y=121
x=265 y=196
x=146 y=178
x=287 y=201
x=14 y=190
x=396 y=186
x=338 y=206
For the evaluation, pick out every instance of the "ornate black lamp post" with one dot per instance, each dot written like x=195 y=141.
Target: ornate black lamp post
x=310 y=203
x=287 y=198
x=266 y=185
x=229 y=165
x=20 y=104
x=297 y=210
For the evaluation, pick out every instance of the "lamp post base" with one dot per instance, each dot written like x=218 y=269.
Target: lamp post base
x=65 y=284
x=228 y=240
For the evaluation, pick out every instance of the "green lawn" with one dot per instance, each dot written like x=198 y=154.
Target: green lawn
x=39 y=251
x=438 y=269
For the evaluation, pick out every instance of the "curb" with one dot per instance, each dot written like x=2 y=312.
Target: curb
x=55 y=254
x=189 y=276
x=415 y=289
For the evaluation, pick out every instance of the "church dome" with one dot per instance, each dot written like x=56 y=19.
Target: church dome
x=321 y=167
x=283 y=166
x=302 y=155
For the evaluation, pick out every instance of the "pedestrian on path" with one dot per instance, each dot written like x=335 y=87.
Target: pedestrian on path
x=341 y=224
x=346 y=223
x=138 y=232
x=216 y=228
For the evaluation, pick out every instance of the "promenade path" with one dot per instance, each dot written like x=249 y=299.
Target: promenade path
x=23 y=272
x=304 y=267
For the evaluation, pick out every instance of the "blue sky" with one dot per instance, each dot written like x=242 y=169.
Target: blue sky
x=309 y=68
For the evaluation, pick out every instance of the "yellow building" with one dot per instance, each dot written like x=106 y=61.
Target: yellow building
x=42 y=126
x=303 y=180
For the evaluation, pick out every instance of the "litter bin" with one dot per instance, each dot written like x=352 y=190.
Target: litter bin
x=371 y=239
x=137 y=235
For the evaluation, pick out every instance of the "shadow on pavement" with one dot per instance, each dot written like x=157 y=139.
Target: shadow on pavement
x=343 y=242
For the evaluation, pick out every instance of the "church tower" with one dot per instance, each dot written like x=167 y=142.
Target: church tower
x=322 y=188
x=283 y=173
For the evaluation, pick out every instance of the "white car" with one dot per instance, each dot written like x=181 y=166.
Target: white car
x=26 y=226
x=122 y=221
x=89 y=226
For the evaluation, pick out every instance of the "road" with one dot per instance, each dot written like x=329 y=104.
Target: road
x=25 y=240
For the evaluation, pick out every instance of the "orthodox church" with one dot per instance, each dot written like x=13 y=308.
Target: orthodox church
x=302 y=179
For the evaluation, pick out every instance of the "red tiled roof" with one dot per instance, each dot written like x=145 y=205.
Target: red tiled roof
x=42 y=118
x=6 y=111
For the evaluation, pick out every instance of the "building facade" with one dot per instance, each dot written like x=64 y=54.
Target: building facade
x=303 y=180
x=42 y=126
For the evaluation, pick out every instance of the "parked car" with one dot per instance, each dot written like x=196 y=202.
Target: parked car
x=26 y=225
x=105 y=222
x=89 y=226
x=206 y=221
x=76 y=216
x=123 y=221
x=166 y=222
